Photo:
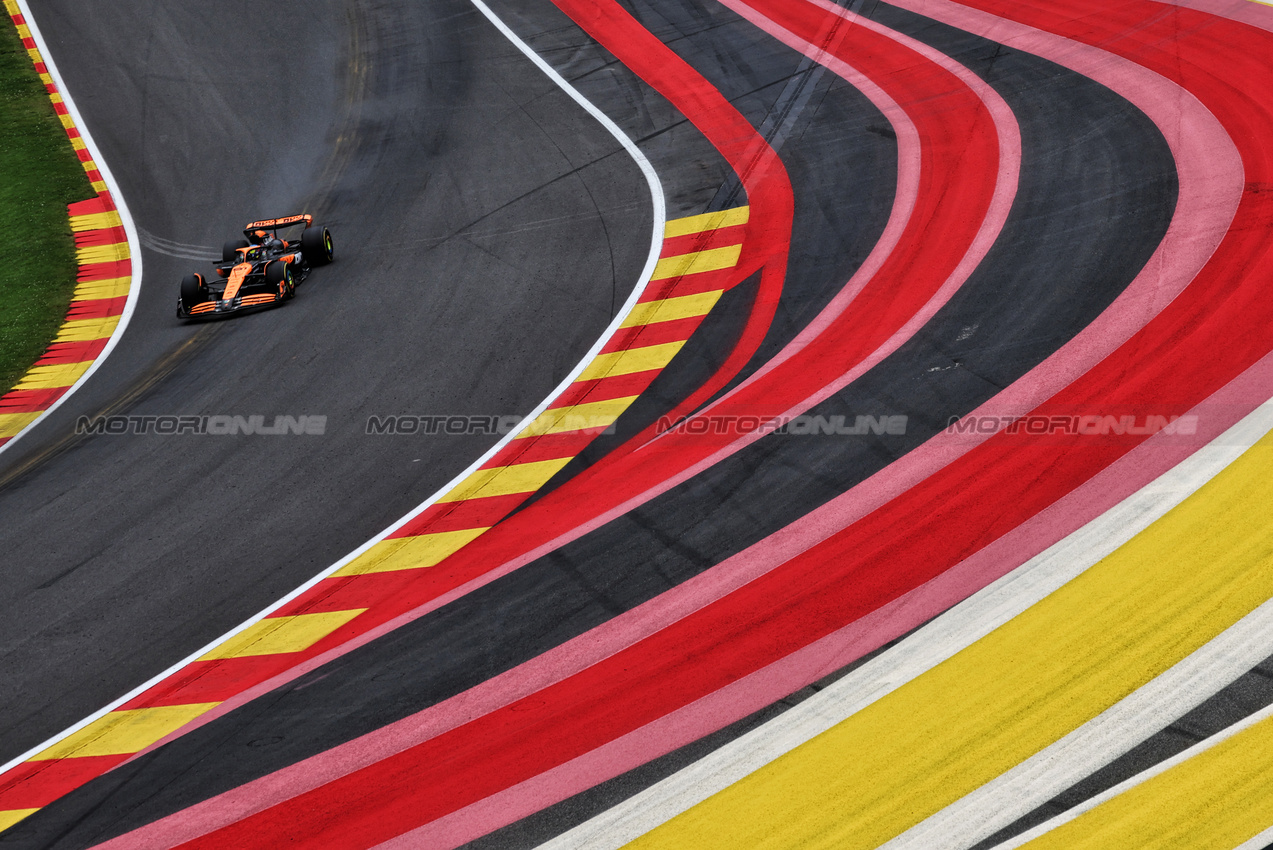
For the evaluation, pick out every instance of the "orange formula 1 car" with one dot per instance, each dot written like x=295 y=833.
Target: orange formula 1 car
x=258 y=271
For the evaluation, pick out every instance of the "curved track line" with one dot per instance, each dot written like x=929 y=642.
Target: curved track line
x=1090 y=644
x=1154 y=805
x=1220 y=414
x=574 y=503
x=117 y=200
x=297 y=780
x=657 y=199
x=1211 y=182
x=951 y=632
x=1000 y=205
x=1097 y=742
x=725 y=128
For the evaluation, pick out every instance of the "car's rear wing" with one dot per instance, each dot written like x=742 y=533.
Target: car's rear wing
x=276 y=223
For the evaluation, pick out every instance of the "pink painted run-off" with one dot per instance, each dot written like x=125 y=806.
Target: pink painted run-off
x=909 y=156
x=908 y=177
x=1210 y=179
x=1250 y=12
x=763 y=687
x=766 y=686
x=1210 y=174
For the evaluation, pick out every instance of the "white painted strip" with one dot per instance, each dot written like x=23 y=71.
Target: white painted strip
x=941 y=639
x=1262 y=841
x=1098 y=742
x=1161 y=767
x=656 y=245
x=134 y=246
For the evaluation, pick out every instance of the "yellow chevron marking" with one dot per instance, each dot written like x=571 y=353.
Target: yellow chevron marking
x=631 y=360
x=670 y=309
x=49 y=377
x=125 y=732
x=277 y=635
x=578 y=417
x=79 y=145
x=12 y=423
x=67 y=121
x=1170 y=590
x=706 y=221
x=95 y=290
x=98 y=185
x=24 y=31
x=87 y=254
x=12 y=816
x=80 y=330
x=506 y=480
x=1214 y=801
x=713 y=259
x=95 y=221
x=410 y=553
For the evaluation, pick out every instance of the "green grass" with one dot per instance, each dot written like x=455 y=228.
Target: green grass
x=39 y=176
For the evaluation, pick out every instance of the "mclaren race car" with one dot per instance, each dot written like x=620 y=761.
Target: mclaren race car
x=258 y=271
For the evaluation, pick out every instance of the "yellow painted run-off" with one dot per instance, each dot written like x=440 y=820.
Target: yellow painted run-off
x=1167 y=592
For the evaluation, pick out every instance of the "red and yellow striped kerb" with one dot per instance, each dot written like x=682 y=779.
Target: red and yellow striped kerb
x=105 y=275
x=697 y=264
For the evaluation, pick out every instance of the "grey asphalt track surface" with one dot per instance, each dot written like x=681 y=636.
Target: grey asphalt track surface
x=1025 y=301
x=486 y=229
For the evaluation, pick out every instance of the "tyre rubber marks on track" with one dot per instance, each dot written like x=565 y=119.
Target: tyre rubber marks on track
x=519 y=751
x=105 y=275
x=697 y=264
x=1252 y=571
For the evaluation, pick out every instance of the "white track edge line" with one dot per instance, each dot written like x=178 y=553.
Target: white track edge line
x=1144 y=776
x=941 y=639
x=656 y=244
x=1093 y=745
x=134 y=245
x=1259 y=842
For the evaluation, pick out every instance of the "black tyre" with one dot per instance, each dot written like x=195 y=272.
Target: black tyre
x=193 y=291
x=280 y=276
x=230 y=250
x=316 y=245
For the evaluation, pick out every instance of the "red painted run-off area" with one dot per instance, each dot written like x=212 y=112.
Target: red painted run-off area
x=1213 y=331
x=961 y=155
x=597 y=705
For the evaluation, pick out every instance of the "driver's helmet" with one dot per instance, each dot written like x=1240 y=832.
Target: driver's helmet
x=254 y=253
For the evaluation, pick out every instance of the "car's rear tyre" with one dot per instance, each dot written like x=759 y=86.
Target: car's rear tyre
x=230 y=250
x=316 y=245
x=193 y=291
x=280 y=276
